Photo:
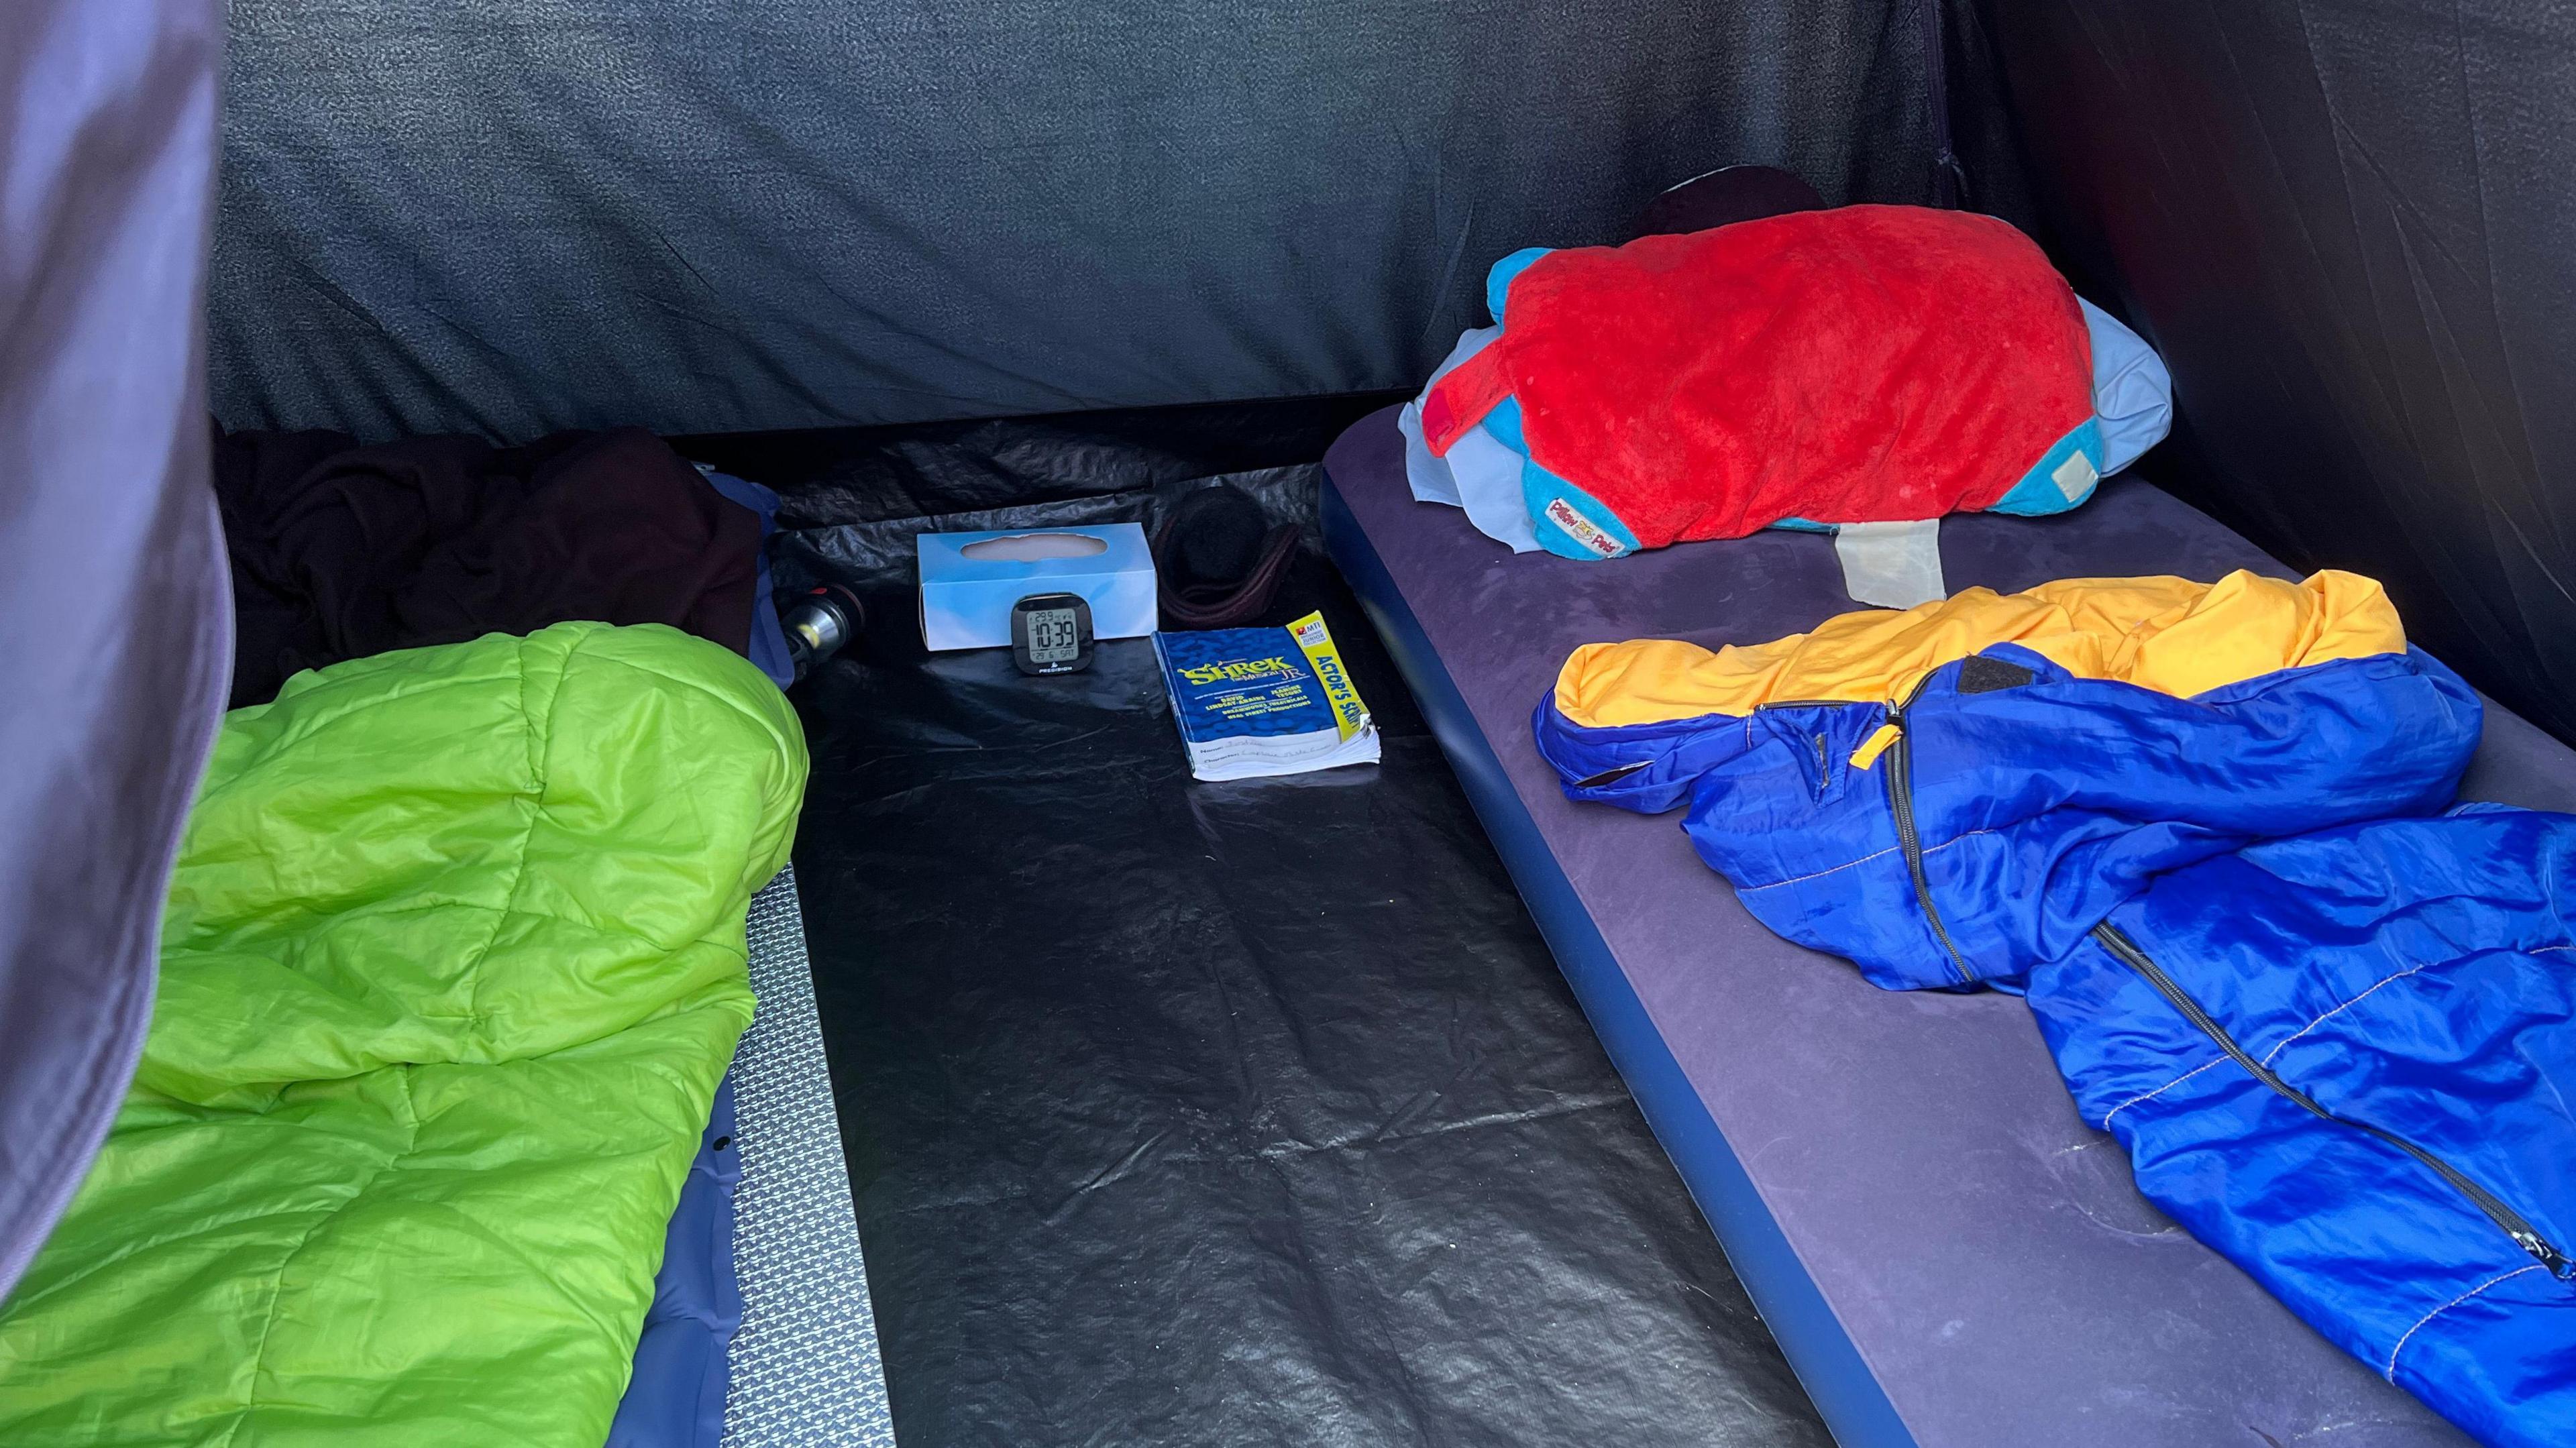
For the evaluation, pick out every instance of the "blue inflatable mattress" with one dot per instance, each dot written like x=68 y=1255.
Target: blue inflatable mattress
x=1948 y=1256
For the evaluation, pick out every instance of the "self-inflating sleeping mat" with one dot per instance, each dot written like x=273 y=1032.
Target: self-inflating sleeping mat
x=1950 y=1251
x=452 y=965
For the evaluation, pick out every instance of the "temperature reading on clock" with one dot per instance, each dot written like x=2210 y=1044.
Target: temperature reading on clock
x=1054 y=637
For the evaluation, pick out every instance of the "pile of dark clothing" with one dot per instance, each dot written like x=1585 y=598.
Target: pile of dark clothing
x=340 y=551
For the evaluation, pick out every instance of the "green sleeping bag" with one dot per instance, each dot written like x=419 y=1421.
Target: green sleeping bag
x=452 y=965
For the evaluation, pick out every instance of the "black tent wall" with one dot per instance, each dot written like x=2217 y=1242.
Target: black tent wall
x=511 y=216
x=2347 y=229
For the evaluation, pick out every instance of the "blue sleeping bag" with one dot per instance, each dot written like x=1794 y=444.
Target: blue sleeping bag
x=2374 y=1121
x=2332 y=1019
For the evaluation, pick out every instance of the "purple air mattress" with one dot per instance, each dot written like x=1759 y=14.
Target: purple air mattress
x=1948 y=1256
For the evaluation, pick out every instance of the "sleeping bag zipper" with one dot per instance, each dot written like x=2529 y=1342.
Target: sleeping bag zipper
x=1900 y=802
x=2524 y=1235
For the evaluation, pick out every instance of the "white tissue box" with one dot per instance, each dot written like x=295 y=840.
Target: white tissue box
x=970 y=580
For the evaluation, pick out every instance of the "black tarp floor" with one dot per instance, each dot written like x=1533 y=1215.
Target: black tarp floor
x=1244 y=1113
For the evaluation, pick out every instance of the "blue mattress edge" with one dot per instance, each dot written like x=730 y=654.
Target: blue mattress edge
x=1828 y=1364
x=675 y=1392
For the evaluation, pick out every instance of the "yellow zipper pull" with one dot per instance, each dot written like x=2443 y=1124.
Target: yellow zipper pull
x=1875 y=745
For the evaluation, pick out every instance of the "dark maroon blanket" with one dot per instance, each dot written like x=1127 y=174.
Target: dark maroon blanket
x=340 y=551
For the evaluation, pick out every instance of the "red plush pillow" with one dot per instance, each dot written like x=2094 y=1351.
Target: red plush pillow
x=1865 y=364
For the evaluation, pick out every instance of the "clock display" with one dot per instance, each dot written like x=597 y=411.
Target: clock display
x=1054 y=636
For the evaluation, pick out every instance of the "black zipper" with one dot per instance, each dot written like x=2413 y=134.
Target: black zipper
x=2524 y=1235
x=1899 y=758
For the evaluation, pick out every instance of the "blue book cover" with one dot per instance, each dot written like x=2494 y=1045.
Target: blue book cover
x=1238 y=683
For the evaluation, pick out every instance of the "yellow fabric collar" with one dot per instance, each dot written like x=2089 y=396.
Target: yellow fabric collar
x=2168 y=634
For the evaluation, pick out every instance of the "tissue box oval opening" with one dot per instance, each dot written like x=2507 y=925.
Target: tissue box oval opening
x=967 y=591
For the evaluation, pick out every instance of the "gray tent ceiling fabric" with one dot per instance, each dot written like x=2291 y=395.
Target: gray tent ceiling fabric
x=512 y=216
x=112 y=575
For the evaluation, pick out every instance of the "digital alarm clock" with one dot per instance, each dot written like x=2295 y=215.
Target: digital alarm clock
x=1051 y=633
